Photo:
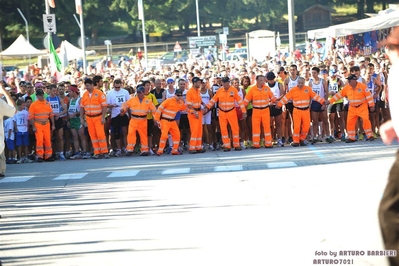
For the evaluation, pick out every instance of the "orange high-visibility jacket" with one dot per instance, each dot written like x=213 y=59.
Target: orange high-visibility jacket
x=301 y=97
x=138 y=109
x=356 y=96
x=260 y=98
x=193 y=98
x=93 y=104
x=169 y=108
x=226 y=100
x=40 y=111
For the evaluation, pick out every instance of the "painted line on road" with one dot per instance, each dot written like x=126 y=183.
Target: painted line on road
x=15 y=179
x=70 y=176
x=281 y=165
x=316 y=151
x=226 y=168
x=176 y=171
x=123 y=173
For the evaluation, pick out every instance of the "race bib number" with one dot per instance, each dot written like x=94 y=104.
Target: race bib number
x=120 y=99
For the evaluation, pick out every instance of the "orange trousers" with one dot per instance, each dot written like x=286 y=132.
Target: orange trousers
x=137 y=125
x=353 y=114
x=43 y=140
x=172 y=128
x=230 y=118
x=258 y=116
x=301 y=119
x=196 y=131
x=97 y=134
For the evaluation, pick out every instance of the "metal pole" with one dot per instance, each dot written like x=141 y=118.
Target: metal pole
x=144 y=34
x=198 y=19
x=82 y=37
x=291 y=25
x=27 y=28
x=49 y=33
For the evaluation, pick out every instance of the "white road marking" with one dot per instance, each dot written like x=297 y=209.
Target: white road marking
x=15 y=179
x=176 y=171
x=226 y=168
x=123 y=173
x=70 y=176
x=281 y=165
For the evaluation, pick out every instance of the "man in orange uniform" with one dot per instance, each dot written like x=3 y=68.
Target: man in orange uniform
x=139 y=106
x=261 y=96
x=359 y=99
x=194 y=101
x=226 y=98
x=40 y=114
x=300 y=96
x=165 y=119
x=94 y=105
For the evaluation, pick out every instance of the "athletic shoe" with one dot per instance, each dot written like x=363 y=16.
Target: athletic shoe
x=21 y=160
x=152 y=152
x=243 y=145
x=124 y=150
x=280 y=143
x=77 y=155
x=303 y=143
x=217 y=146
x=343 y=138
x=106 y=156
x=192 y=152
x=168 y=150
x=26 y=160
x=86 y=155
x=211 y=147
x=51 y=159
x=118 y=153
x=97 y=156
x=226 y=149
x=290 y=140
x=62 y=157
x=294 y=144
x=112 y=153
x=361 y=137
x=201 y=151
x=144 y=154
x=350 y=141
x=375 y=135
x=238 y=148
x=39 y=160
x=68 y=154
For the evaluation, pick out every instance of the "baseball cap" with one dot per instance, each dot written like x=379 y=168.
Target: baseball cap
x=324 y=71
x=225 y=79
x=22 y=83
x=195 y=79
x=270 y=76
x=179 y=92
x=170 y=80
x=393 y=38
x=140 y=89
x=73 y=88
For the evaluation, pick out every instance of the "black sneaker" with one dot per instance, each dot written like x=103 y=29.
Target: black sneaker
x=350 y=141
x=144 y=154
x=51 y=159
x=238 y=149
x=226 y=149
x=201 y=151
x=40 y=159
x=302 y=143
x=294 y=144
x=192 y=152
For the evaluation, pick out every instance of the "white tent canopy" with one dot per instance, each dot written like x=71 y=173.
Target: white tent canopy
x=70 y=52
x=21 y=48
x=364 y=25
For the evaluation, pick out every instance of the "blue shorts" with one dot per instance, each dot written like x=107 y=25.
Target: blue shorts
x=316 y=107
x=10 y=144
x=22 y=139
x=178 y=114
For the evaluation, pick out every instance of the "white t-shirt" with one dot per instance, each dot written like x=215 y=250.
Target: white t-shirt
x=118 y=98
x=21 y=119
x=5 y=110
x=9 y=124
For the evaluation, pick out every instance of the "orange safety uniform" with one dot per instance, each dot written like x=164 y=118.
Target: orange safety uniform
x=41 y=112
x=166 y=114
x=226 y=100
x=138 y=121
x=301 y=115
x=93 y=107
x=359 y=100
x=261 y=99
x=194 y=99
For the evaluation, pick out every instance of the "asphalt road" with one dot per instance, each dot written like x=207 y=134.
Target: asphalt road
x=281 y=206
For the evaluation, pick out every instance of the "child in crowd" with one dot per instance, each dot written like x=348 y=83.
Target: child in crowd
x=22 y=134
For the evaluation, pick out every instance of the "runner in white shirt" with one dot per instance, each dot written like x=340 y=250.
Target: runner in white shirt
x=21 y=124
x=115 y=98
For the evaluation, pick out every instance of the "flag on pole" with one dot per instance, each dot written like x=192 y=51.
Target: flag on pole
x=78 y=4
x=140 y=4
x=51 y=3
x=56 y=63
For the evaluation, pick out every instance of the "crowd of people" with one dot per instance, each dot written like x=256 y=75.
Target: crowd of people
x=196 y=106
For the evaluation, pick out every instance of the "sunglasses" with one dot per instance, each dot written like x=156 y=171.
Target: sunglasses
x=179 y=95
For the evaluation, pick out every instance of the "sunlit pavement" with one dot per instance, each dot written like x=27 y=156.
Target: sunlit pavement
x=275 y=209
